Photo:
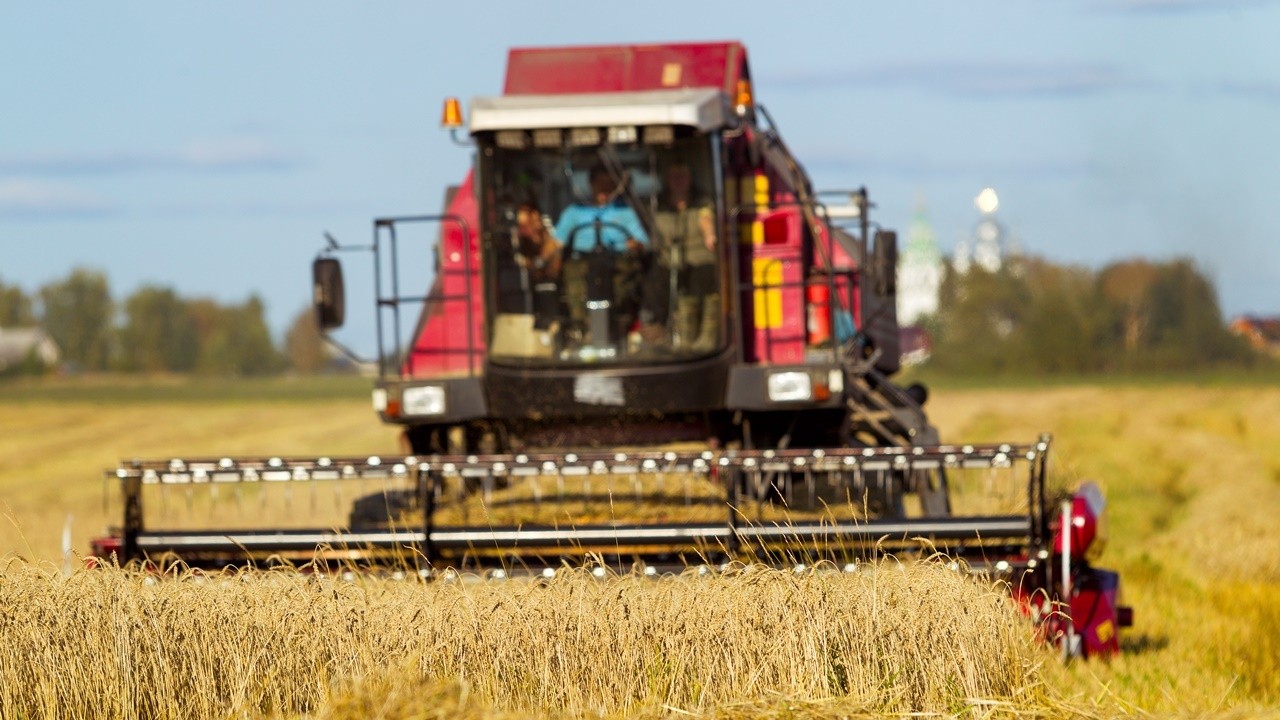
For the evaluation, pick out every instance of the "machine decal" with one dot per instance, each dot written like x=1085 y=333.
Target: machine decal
x=598 y=390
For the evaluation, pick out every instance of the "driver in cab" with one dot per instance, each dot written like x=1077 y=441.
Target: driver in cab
x=606 y=230
x=620 y=229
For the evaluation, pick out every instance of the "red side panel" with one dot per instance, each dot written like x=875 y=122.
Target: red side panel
x=793 y=306
x=450 y=338
x=1095 y=612
x=621 y=68
x=776 y=316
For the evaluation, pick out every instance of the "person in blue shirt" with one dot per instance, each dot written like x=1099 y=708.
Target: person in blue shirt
x=617 y=247
x=620 y=228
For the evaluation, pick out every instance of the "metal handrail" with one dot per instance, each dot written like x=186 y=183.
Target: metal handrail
x=395 y=300
x=835 y=301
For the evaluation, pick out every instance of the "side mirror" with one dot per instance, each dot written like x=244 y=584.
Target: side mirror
x=327 y=293
x=885 y=255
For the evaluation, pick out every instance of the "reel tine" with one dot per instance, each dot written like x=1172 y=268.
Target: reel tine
x=460 y=497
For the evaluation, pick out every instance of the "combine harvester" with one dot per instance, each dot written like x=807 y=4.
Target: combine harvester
x=649 y=343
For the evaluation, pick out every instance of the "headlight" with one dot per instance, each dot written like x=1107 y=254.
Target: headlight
x=425 y=400
x=790 y=387
x=379 y=400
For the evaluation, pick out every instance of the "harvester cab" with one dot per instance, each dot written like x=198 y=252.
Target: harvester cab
x=636 y=257
x=648 y=342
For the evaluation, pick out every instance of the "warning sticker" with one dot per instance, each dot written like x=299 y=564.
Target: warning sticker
x=598 y=390
x=1105 y=631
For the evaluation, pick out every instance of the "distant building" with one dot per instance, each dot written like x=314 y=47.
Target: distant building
x=914 y=344
x=989 y=244
x=18 y=344
x=919 y=270
x=1263 y=333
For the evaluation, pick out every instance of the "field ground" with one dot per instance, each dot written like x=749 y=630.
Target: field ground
x=1191 y=472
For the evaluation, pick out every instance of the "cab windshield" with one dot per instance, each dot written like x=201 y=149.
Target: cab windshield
x=604 y=252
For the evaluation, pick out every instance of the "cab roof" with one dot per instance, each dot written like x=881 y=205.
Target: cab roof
x=702 y=108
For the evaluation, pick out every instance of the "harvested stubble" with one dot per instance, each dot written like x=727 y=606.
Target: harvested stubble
x=893 y=638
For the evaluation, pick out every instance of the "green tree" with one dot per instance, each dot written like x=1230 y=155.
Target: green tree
x=234 y=340
x=1187 y=329
x=1065 y=325
x=1125 y=287
x=304 y=345
x=158 y=333
x=15 y=307
x=78 y=314
x=257 y=353
x=214 y=335
x=979 y=314
x=1040 y=317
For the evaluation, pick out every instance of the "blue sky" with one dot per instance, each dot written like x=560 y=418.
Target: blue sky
x=207 y=146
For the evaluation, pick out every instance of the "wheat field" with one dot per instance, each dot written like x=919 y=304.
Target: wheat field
x=890 y=638
x=1191 y=471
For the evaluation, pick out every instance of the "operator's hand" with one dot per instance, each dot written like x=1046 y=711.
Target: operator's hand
x=634 y=246
x=708 y=229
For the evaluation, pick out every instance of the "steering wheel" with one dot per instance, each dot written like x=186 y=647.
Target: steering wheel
x=599 y=225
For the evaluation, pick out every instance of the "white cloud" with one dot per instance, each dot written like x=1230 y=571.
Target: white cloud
x=233 y=153
x=36 y=199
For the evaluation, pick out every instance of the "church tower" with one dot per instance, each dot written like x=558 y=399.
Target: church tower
x=990 y=243
x=919 y=270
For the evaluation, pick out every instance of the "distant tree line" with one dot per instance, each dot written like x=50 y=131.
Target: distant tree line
x=1036 y=316
x=1030 y=316
x=156 y=330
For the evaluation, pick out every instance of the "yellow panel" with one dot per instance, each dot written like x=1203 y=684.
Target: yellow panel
x=752 y=189
x=767 y=271
x=762 y=190
x=751 y=233
x=671 y=74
